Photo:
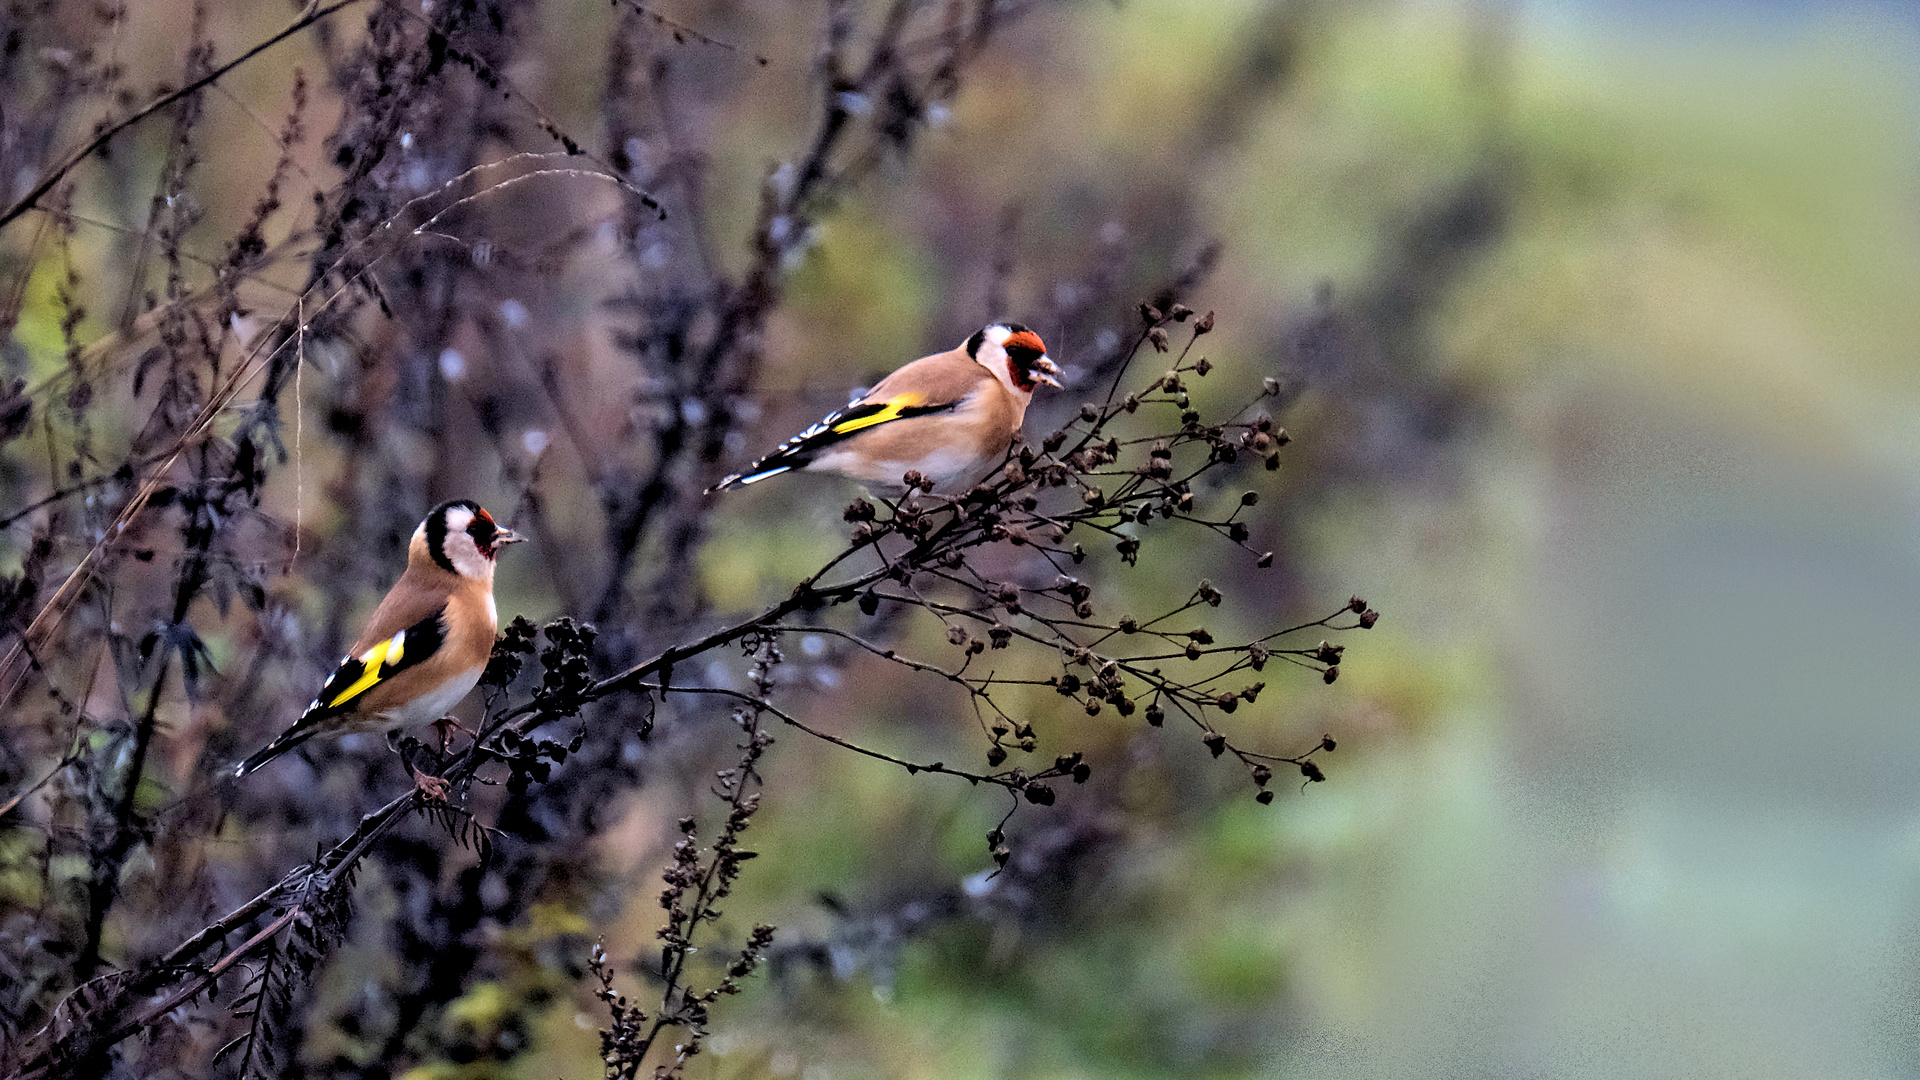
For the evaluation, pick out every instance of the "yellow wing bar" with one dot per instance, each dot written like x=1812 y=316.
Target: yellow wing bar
x=895 y=407
x=384 y=654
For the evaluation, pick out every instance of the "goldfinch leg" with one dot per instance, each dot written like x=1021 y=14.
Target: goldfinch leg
x=433 y=787
x=445 y=727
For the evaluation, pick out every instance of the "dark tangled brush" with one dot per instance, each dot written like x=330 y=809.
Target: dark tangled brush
x=132 y=554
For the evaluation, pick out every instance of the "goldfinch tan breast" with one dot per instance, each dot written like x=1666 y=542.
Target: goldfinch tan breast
x=427 y=643
x=950 y=417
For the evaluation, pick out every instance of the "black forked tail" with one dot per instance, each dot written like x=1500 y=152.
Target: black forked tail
x=287 y=741
x=740 y=480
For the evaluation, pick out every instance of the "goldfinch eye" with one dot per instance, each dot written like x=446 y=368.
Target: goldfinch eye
x=1023 y=356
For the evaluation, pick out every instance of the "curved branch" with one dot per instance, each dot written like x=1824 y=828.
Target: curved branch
x=313 y=14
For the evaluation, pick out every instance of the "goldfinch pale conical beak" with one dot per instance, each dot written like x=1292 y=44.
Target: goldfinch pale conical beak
x=1045 y=370
x=503 y=537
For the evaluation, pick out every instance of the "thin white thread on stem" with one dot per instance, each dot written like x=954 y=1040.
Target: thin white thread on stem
x=299 y=425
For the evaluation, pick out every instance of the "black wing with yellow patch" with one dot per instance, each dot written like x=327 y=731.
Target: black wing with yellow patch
x=837 y=427
x=352 y=679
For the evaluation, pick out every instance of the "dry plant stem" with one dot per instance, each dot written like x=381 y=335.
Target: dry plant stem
x=1012 y=780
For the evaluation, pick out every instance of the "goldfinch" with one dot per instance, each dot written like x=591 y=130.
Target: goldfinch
x=949 y=417
x=426 y=644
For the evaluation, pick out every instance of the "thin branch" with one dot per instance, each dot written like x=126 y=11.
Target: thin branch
x=313 y=14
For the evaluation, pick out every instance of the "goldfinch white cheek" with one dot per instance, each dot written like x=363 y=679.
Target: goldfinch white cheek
x=466 y=558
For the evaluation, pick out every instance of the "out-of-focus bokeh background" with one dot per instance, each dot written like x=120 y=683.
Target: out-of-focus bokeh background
x=1608 y=321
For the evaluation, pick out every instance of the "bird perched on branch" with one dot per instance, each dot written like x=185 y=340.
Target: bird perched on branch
x=950 y=417
x=425 y=646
